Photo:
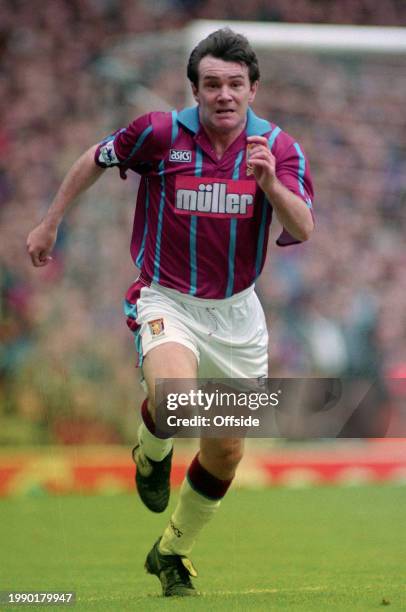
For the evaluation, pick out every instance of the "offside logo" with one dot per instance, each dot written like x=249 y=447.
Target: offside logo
x=221 y=198
x=176 y=155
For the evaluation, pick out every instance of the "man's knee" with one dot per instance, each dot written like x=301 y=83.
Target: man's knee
x=223 y=455
x=230 y=454
x=170 y=362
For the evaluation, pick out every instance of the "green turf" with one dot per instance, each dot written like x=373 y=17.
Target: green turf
x=277 y=549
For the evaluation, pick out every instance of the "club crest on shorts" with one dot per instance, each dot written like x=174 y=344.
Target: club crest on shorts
x=156 y=327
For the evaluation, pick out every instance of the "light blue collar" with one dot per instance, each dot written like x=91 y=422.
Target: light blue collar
x=189 y=117
x=255 y=125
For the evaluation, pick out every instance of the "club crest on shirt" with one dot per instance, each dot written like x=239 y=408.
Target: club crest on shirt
x=156 y=327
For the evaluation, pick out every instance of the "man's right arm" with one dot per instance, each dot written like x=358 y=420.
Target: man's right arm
x=80 y=177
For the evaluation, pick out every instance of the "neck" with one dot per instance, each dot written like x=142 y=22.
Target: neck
x=221 y=142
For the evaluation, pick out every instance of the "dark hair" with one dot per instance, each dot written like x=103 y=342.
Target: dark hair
x=228 y=46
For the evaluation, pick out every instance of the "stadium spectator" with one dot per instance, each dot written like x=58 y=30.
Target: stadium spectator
x=51 y=75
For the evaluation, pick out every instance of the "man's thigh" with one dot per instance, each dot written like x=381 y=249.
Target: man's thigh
x=238 y=346
x=169 y=361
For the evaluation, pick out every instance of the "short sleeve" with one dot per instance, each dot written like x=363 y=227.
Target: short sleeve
x=294 y=173
x=137 y=146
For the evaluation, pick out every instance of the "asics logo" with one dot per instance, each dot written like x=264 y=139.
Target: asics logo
x=176 y=155
x=175 y=529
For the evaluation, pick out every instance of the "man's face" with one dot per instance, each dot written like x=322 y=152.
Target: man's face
x=224 y=93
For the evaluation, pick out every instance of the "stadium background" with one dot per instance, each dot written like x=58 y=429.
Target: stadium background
x=72 y=71
x=76 y=70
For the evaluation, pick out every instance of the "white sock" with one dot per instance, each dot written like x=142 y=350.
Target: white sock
x=191 y=514
x=154 y=448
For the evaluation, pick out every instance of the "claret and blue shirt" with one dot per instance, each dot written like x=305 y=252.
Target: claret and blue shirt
x=201 y=224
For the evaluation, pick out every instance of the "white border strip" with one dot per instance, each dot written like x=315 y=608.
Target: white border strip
x=307 y=37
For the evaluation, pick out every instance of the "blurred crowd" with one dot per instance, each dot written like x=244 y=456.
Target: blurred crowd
x=336 y=306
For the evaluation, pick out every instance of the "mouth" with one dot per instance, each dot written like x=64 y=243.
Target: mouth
x=224 y=112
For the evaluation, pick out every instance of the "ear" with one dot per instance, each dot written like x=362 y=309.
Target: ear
x=253 y=91
x=195 y=92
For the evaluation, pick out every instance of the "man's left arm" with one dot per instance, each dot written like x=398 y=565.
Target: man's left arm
x=293 y=211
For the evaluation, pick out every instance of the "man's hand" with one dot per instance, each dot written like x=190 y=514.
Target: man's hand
x=40 y=243
x=80 y=177
x=291 y=210
x=262 y=162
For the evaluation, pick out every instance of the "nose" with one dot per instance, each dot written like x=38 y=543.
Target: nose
x=224 y=93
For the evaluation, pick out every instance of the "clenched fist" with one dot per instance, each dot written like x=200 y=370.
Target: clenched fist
x=40 y=243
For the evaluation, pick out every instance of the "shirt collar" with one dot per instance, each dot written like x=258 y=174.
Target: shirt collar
x=189 y=117
x=255 y=125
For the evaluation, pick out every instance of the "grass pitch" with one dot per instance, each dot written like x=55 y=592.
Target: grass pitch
x=316 y=549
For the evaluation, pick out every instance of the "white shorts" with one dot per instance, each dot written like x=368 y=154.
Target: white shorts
x=229 y=337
